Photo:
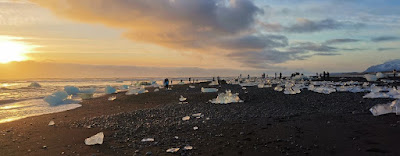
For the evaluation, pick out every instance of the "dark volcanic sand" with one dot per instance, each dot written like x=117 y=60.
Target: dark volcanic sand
x=267 y=123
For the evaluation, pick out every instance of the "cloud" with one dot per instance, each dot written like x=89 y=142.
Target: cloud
x=310 y=46
x=341 y=40
x=385 y=38
x=178 y=24
x=254 y=42
x=386 y=49
x=303 y=25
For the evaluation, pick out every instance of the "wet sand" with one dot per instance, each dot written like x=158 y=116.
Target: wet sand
x=267 y=123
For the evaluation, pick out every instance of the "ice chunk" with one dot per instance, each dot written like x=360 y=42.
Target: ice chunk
x=95 y=139
x=188 y=147
x=192 y=86
x=261 y=85
x=182 y=99
x=147 y=139
x=278 y=88
x=35 y=85
x=244 y=88
x=135 y=91
x=324 y=90
x=71 y=90
x=196 y=115
x=380 y=75
x=172 y=150
x=209 y=90
x=195 y=128
x=56 y=98
x=370 y=77
x=112 y=98
x=156 y=90
x=51 y=123
x=214 y=83
x=110 y=90
x=185 y=118
x=299 y=77
x=123 y=87
x=85 y=96
x=380 y=109
x=226 y=98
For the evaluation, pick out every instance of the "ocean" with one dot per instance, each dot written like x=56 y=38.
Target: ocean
x=24 y=98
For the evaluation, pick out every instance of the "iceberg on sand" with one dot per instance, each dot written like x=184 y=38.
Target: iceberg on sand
x=380 y=109
x=226 y=98
x=95 y=139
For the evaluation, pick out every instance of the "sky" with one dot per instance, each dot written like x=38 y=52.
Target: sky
x=235 y=36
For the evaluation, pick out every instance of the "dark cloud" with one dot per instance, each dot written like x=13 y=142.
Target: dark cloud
x=385 y=38
x=327 y=54
x=310 y=46
x=306 y=26
x=254 y=42
x=352 y=49
x=341 y=40
x=386 y=49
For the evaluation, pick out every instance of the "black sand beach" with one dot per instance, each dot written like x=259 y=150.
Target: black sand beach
x=266 y=123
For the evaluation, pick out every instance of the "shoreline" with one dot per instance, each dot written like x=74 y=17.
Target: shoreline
x=268 y=122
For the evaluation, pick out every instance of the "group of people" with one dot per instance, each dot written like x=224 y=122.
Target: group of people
x=167 y=83
x=324 y=75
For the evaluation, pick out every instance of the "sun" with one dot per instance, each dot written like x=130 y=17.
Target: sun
x=13 y=51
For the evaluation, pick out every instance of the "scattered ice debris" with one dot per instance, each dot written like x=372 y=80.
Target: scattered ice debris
x=110 y=90
x=85 y=96
x=380 y=109
x=57 y=98
x=35 y=85
x=147 y=139
x=51 y=123
x=156 y=90
x=185 y=118
x=196 y=115
x=112 y=98
x=278 y=88
x=226 y=98
x=95 y=139
x=195 y=128
x=172 y=150
x=209 y=90
x=136 y=91
x=370 y=77
x=71 y=90
x=188 y=147
x=214 y=83
x=192 y=86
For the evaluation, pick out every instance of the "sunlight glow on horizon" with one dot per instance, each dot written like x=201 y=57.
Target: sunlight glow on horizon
x=13 y=50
